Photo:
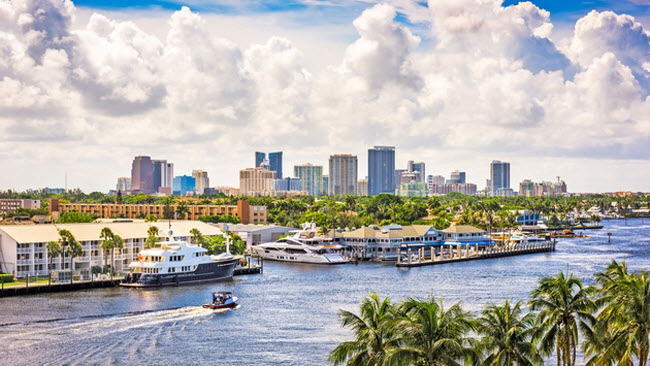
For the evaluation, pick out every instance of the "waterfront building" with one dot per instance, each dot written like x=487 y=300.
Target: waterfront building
x=413 y=188
x=202 y=180
x=311 y=177
x=255 y=181
x=499 y=176
x=287 y=184
x=9 y=205
x=326 y=184
x=374 y=242
x=274 y=160
x=256 y=234
x=381 y=170
x=142 y=175
x=123 y=184
x=24 y=247
x=183 y=185
x=457 y=177
x=343 y=175
x=416 y=167
x=465 y=188
x=242 y=210
x=362 y=187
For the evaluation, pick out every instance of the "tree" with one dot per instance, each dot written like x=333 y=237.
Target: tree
x=107 y=244
x=53 y=250
x=372 y=337
x=622 y=330
x=118 y=243
x=429 y=334
x=182 y=210
x=565 y=307
x=151 y=218
x=168 y=211
x=197 y=237
x=70 y=246
x=152 y=238
x=506 y=336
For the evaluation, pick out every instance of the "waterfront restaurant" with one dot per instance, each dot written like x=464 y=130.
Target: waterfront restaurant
x=23 y=247
x=383 y=243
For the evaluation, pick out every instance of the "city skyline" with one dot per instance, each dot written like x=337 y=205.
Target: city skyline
x=548 y=88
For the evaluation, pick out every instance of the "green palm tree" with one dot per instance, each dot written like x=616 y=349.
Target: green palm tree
x=622 y=330
x=53 y=250
x=429 y=334
x=506 y=336
x=152 y=238
x=72 y=248
x=107 y=244
x=373 y=338
x=565 y=307
x=197 y=237
x=118 y=243
x=182 y=210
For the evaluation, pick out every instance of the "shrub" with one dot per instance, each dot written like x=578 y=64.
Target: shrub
x=6 y=277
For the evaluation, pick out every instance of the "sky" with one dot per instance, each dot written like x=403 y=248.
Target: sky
x=556 y=88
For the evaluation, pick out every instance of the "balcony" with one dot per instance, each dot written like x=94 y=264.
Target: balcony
x=85 y=258
x=97 y=258
x=40 y=261
x=40 y=249
x=23 y=250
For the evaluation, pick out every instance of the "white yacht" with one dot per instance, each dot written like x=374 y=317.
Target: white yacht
x=305 y=246
x=177 y=263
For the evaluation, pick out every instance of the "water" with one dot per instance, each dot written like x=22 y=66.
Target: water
x=287 y=316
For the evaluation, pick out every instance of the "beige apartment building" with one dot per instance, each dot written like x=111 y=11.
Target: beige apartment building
x=256 y=181
x=246 y=213
x=8 y=205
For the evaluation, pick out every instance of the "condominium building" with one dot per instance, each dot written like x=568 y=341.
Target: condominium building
x=381 y=170
x=123 y=184
x=326 y=184
x=142 y=175
x=255 y=181
x=275 y=162
x=24 y=248
x=311 y=177
x=287 y=184
x=434 y=179
x=499 y=176
x=457 y=177
x=362 y=187
x=202 y=180
x=246 y=213
x=343 y=174
x=412 y=189
x=466 y=188
x=9 y=205
x=416 y=167
x=529 y=188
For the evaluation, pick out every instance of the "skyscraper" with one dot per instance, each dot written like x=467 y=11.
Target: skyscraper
x=287 y=184
x=123 y=184
x=275 y=159
x=184 y=184
x=362 y=187
x=457 y=177
x=142 y=175
x=381 y=170
x=311 y=177
x=499 y=176
x=255 y=181
x=326 y=184
x=343 y=174
x=163 y=176
x=202 y=180
x=416 y=167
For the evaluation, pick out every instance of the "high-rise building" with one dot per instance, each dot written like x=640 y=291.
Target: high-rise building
x=311 y=177
x=142 y=175
x=416 y=167
x=326 y=185
x=499 y=176
x=343 y=174
x=275 y=161
x=123 y=184
x=412 y=189
x=287 y=184
x=184 y=185
x=527 y=188
x=457 y=177
x=255 y=181
x=362 y=187
x=202 y=180
x=381 y=170
x=466 y=188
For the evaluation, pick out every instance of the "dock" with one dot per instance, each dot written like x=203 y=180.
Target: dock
x=254 y=265
x=463 y=253
x=37 y=288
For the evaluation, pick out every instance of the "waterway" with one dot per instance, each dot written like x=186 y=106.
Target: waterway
x=287 y=316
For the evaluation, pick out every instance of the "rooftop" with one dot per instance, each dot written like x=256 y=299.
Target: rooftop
x=462 y=229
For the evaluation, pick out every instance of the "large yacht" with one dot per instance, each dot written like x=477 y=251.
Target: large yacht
x=305 y=246
x=177 y=262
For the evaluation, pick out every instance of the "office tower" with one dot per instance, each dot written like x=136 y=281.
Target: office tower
x=183 y=185
x=326 y=185
x=499 y=176
x=416 y=167
x=142 y=175
x=362 y=187
x=343 y=174
x=457 y=177
x=202 y=180
x=255 y=181
x=123 y=184
x=275 y=161
x=381 y=170
x=287 y=184
x=311 y=177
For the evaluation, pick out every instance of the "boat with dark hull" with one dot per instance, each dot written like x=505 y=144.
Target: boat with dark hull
x=178 y=263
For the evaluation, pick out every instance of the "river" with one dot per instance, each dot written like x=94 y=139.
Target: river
x=287 y=316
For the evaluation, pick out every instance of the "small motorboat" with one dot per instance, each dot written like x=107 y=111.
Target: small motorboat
x=222 y=300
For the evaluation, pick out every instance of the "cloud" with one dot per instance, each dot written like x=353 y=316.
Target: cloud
x=490 y=83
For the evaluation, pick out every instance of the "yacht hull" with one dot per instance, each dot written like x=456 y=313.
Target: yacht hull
x=205 y=272
x=280 y=256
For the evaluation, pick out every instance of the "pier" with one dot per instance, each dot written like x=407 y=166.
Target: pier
x=461 y=253
x=37 y=288
x=254 y=265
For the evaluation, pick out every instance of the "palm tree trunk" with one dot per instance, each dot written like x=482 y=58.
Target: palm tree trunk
x=112 y=261
x=557 y=350
x=573 y=347
x=643 y=355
